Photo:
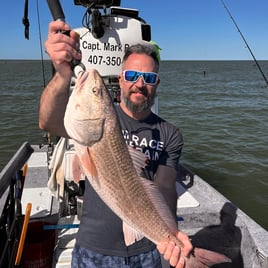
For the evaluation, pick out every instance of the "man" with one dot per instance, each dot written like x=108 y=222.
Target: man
x=99 y=241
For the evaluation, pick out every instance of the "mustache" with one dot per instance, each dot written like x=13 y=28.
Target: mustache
x=143 y=91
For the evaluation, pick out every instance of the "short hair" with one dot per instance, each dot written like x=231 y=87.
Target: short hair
x=142 y=48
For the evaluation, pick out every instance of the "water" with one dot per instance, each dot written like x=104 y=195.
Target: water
x=222 y=113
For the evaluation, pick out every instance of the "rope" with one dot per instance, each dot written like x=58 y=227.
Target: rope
x=25 y=20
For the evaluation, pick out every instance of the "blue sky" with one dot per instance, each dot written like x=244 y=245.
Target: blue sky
x=184 y=29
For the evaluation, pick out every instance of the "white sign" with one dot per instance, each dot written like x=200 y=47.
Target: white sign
x=106 y=53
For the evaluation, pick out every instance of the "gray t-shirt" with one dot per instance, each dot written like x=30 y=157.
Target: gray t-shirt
x=100 y=229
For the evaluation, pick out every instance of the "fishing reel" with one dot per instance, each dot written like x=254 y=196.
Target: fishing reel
x=96 y=24
x=98 y=4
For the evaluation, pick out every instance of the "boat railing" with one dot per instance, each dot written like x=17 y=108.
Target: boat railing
x=11 y=186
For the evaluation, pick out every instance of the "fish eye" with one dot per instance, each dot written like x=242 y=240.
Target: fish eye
x=95 y=90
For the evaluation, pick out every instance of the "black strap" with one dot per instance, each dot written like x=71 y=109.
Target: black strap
x=25 y=20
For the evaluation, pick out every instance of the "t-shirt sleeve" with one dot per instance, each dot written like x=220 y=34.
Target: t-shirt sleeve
x=173 y=148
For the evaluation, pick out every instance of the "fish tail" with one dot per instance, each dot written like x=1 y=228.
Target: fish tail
x=203 y=258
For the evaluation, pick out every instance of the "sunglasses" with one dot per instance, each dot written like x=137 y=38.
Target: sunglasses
x=149 y=78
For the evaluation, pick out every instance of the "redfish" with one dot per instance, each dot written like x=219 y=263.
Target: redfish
x=91 y=121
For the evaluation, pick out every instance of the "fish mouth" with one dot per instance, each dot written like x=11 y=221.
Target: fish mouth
x=87 y=131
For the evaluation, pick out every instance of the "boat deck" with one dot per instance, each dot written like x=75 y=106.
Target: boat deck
x=218 y=224
x=210 y=219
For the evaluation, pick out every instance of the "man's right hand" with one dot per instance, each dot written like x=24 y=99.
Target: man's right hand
x=62 y=48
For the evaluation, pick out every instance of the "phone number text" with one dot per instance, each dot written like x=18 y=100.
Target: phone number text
x=107 y=60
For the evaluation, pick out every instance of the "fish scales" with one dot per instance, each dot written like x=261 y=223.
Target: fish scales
x=91 y=121
x=129 y=188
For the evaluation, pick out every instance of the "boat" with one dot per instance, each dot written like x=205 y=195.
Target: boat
x=38 y=227
x=210 y=219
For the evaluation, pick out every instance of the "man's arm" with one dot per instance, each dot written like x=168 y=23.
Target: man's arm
x=53 y=104
x=62 y=49
x=165 y=179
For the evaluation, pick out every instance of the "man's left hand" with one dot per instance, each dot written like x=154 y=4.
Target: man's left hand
x=174 y=254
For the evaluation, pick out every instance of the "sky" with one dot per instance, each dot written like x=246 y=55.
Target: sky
x=184 y=29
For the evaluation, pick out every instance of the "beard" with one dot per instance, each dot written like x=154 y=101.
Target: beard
x=145 y=102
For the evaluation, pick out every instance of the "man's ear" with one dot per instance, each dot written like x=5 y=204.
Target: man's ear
x=120 y=79
x=158 y=81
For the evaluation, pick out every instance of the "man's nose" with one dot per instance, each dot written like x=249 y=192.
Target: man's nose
x=140 y=82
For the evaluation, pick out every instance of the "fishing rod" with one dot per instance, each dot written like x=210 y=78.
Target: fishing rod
x=245 y=41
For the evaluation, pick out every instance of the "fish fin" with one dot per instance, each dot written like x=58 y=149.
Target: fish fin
x=160 y=204
x=89 y=165
x=131 y=235
x=76 y=169
x=203 y=258
x=139 y=159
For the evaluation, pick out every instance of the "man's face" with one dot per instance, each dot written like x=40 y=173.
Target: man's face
x=138 y=96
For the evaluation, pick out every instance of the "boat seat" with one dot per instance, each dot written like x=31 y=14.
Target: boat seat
x=68 y=170
x=68 y=161
x=185 y=199
x=73 y=191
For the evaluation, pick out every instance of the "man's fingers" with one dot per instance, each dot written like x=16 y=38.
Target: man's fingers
x=75 y=36
x=187 y=245
x=181 y=263
x=169 y=250
x=57 y=26
x=62 y=47
x=175 y=256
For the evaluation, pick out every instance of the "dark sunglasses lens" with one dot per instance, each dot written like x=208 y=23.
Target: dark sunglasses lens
x=131 y=76
x=149 y=78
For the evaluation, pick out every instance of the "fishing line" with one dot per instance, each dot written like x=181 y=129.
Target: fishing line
x=245 y=41
x=40 y=44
